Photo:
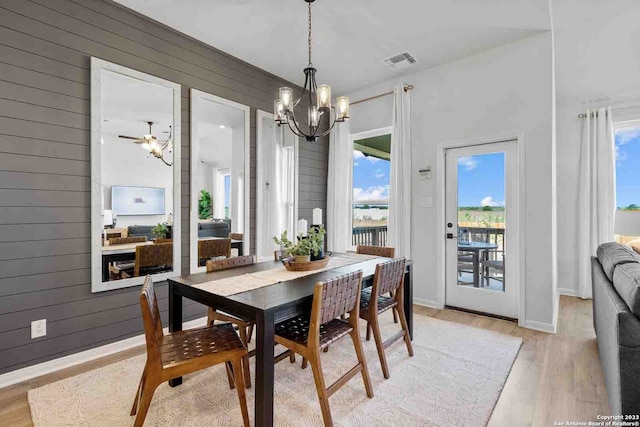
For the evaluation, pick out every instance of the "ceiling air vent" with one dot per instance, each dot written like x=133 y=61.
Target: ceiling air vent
x=400 y=61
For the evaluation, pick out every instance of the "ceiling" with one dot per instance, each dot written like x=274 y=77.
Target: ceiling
x=351 y=38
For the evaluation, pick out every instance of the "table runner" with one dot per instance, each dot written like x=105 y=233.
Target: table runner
x=250 y=281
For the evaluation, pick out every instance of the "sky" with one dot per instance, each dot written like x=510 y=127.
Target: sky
x=370 y=178
x=627 y=170
x=481 y=180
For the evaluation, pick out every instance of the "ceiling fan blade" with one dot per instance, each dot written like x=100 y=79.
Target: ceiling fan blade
x=128 y=137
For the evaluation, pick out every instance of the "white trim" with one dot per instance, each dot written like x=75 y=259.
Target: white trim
x=387 y=130
x=441 y=149
x=197 y=95
x=568 y=292
x=97 y=66
x=24 y=374
x=539 y=326
x=427 y=303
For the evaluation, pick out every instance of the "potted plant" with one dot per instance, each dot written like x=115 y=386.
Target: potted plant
x=205 y=205
x=316 y=240
x=305 y=247
x=160 y=231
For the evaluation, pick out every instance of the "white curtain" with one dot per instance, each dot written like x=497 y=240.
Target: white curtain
x=218 y=192
x=399 y=225
x=283 y=183
x=339 y=188
x=596 y=192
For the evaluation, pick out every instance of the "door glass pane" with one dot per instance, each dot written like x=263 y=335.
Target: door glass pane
x=481 y=221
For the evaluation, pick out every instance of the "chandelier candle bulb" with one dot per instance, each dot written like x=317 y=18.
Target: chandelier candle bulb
x=286 y=97
x=278 y=111
x=342 y=112
x=314 y=117
x=324 y=96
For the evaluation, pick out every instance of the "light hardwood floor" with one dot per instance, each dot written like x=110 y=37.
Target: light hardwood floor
x=555 y=377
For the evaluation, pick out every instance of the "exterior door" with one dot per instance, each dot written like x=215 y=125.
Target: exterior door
x=481 y=229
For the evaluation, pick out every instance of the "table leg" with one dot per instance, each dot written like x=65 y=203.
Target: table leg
x=175 y=320
x=264 y=381
x=476 y=269
x=240 y=249
x=408 y=299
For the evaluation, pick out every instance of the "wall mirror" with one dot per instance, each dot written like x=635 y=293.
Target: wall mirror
x=220 y=179
x=276 y=184
x=135 y=177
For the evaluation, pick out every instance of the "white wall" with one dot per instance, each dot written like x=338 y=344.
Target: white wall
x=503 y=91
x=597 y=64
x=128 y=164
x=236 y=202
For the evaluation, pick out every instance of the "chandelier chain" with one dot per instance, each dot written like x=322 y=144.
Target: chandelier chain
x=309 y=39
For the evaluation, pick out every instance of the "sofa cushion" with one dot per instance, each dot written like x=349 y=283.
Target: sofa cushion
x=612 y=254
x=626 y=280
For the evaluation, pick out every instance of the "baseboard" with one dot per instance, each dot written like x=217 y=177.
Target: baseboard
x=568 y=292
x=427 y=303
x=24 y=374
x=540 y=326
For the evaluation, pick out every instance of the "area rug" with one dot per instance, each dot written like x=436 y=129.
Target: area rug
x=455 y=378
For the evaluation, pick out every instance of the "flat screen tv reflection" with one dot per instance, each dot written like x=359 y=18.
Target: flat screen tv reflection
x=137 y=200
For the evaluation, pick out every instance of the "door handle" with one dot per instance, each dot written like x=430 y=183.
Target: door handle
x=451 y=236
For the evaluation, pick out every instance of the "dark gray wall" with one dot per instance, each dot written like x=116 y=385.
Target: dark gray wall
x=45 y=46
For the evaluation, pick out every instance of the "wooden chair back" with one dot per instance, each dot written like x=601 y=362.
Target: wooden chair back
x=226 y=263
x=382 y=251
x=163 y=241
x=151 y=320
x=153 y=255
x=236 y=236
x=278 y=255
x=211 y=248
x=333 y=298
x=389 y=277
x=123 y=240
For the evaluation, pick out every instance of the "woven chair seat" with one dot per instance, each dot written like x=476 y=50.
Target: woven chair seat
x=193 y=343
x=297 y=329
x=384 y=303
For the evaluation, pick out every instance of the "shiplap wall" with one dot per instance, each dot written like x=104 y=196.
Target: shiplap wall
x=45 y=47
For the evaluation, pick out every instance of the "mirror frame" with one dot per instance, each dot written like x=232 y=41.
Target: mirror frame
x=97 y=66
x=260 y=116
x=196 y=96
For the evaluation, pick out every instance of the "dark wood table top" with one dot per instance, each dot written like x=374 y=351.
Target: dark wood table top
x=281 y=294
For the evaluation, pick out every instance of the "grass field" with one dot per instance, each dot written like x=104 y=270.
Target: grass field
x=490 y=217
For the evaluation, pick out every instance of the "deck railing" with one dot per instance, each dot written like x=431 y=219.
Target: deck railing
x=372 y=236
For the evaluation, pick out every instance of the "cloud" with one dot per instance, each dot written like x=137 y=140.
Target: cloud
x=626 y=135
x=468 y=162
x=370 y=194
x=621 y=156
x=488 y=201
x=379 y=173
x=360 y=155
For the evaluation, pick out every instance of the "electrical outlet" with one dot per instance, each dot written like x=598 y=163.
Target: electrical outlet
x=38 y=328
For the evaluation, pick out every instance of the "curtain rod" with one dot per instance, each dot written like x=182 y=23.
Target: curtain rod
x=406 y=89
x=621 y=107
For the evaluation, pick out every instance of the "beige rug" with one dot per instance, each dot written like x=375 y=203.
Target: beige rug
x=455 y=378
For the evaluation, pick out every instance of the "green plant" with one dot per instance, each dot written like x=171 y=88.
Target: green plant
x=305 y=245
x=205 y=205
x=160 y=231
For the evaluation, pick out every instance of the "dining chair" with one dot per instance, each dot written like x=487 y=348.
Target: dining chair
x=236 y=236
x=163 y=241
x=183 y=352
x=245 y=327
x=278 y=255
x=389 y=276
x=149 y=259
x=383 y=251
x=496 y=263
x=213 y=248
x=308 y=335
x=124 y=240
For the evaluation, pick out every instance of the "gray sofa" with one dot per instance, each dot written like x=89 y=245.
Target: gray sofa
x=215 y=228
x=616 y=316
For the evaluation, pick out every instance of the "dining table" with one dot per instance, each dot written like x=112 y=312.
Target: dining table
x=477 y=249
x=290 y=295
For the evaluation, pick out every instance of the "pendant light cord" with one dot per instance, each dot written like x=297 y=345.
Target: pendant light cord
x=309 y=39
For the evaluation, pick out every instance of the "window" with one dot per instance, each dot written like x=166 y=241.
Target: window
x=627 y=153
x=370 y=202
x=227 y=194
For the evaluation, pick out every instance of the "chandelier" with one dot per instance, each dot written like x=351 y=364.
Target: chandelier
x=319 y=100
